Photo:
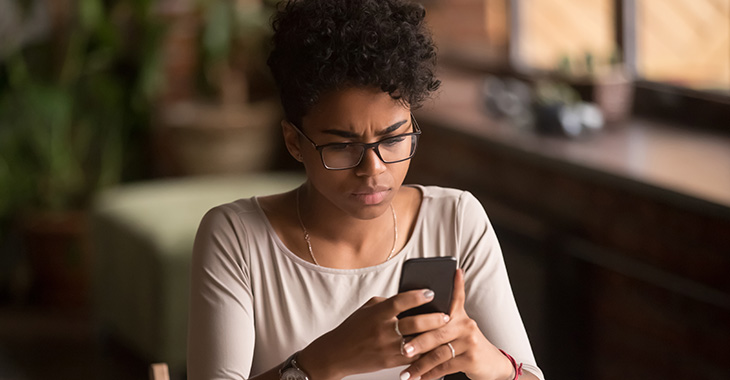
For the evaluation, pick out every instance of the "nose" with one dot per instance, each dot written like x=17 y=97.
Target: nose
x=371 y=164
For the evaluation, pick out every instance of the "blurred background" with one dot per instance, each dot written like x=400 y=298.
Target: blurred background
x=595 y=133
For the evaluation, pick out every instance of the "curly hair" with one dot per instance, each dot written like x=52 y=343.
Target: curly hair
x=324 y=45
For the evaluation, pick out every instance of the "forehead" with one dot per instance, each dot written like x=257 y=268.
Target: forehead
x=355 y=107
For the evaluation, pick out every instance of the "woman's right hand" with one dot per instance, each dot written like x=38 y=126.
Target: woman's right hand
x=367 y=340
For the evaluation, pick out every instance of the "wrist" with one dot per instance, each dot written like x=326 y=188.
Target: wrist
x=316 y=365
x=515 y=369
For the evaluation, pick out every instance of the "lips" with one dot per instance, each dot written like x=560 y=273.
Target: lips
x=371 y=196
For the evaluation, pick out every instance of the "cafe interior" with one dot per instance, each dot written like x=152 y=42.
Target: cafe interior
x=595 y=133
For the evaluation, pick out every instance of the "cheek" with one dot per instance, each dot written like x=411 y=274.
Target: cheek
x=400 y=170
x=313 y=166
x=325 y=180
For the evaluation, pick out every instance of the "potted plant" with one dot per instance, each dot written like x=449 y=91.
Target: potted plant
x=559 y=109
x=603 y=82
x=71 y=107
x=229 y=126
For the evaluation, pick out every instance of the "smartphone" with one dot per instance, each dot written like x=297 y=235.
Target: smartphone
x=435 y=273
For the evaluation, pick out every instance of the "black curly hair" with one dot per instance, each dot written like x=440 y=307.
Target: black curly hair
x=324 y=45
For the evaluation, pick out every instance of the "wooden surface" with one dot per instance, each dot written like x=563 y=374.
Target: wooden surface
x=666 y=161
x=617 y=244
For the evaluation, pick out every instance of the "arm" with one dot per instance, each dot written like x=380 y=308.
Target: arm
x=221 y=322
x=221 y=335
x=484 y=314
x=472 y=353
x=367 y=340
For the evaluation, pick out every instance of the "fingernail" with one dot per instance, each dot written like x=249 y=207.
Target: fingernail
x=405 y=376
x=428 y=293
x=446 y=317
x=409 y=349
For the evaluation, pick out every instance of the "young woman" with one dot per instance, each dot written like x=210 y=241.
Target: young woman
x=302 y=285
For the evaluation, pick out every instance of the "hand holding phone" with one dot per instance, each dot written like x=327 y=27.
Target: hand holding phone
x=435 y=273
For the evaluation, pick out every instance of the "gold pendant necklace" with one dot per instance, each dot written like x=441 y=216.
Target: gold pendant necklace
x=309 y=243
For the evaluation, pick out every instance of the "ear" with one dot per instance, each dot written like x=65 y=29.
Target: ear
x=292 y=140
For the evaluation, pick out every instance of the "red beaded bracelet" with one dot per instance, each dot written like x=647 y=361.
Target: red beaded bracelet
x=518 y=369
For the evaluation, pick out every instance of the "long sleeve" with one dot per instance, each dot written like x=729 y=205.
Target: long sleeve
x=249 y=292
x=221 y=325
x=490 y=301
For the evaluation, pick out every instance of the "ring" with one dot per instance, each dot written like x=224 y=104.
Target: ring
x=402 y=346
x=397 y=330
x=453 y=352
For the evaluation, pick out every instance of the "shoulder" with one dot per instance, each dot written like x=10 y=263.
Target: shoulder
x=454 y=210
x=226 y=231
x=230 y=215
x=444 y=197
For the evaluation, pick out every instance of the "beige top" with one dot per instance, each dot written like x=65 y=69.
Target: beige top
x=254 y=302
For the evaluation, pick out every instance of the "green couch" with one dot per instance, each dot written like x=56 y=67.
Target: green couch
x=142 y=236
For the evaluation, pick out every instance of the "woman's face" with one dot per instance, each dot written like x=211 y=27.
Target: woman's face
x=353 y=115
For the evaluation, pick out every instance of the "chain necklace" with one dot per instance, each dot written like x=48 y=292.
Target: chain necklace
x=309 y=243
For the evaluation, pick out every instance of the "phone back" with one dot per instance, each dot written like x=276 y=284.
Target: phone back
x=435 y=273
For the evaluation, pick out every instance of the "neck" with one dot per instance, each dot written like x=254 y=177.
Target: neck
x=357 y=242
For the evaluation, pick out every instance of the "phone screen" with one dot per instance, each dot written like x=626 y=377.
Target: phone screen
x=435 y=273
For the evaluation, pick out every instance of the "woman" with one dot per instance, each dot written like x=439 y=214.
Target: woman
x=302 y=285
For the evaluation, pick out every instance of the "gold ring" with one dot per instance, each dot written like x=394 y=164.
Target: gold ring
x=453 y=352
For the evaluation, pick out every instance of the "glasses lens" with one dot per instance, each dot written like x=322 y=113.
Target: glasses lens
x=397 y=148
x=341 y=156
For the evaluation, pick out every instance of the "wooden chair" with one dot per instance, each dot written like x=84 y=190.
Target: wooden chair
x=159 y=371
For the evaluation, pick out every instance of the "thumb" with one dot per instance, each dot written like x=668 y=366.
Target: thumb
x=459 y=296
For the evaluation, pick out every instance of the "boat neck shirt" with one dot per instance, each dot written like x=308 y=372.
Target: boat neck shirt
x=253 y=302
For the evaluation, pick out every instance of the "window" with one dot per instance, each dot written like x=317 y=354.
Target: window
x=568 y=35
x=684 y=43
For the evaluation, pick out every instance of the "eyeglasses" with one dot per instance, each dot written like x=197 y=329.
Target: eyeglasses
x=341 y=156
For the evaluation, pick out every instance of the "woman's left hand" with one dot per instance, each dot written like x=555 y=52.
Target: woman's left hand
x=472 y=353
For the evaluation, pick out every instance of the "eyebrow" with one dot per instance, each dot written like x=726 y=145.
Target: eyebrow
x=348 y=134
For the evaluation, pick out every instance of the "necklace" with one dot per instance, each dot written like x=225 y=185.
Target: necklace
x=309 y=243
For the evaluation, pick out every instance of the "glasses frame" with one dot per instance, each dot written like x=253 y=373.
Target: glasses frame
x=375 y=146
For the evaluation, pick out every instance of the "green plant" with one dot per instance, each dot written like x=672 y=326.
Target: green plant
x=554 y=93
x=589 y=65
x=234 y=42
x=74 y=103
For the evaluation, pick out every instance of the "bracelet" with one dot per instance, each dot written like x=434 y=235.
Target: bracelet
x=518 y=369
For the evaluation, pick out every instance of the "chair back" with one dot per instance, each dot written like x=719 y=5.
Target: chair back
x=159 y=371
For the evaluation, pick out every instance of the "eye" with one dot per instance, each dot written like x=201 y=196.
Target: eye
x=393 y=141
x=339 y=147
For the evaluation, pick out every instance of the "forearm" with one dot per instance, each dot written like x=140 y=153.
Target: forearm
x=311 y=361
x=316 y=365
x=272 y=374
x=315 y=369
x=528 y=376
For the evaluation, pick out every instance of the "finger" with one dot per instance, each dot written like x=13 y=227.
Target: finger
x=459 y=296
x=452 y=365
x=430 y=340
x=443 y=369
x=407 y=300
x=437 y=360
x=421 y=323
